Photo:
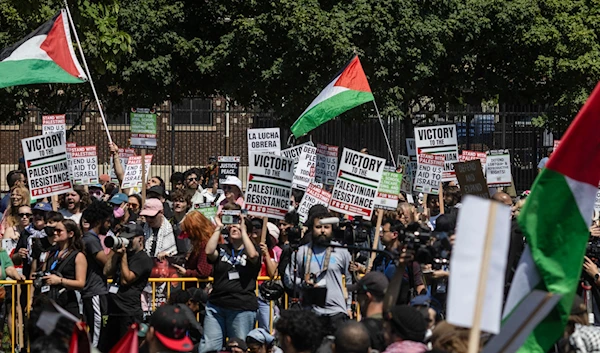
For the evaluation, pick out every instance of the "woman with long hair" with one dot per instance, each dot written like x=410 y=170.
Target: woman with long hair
x=67 y=266
x=198 y=229
x=19 y=196
x=74 y=203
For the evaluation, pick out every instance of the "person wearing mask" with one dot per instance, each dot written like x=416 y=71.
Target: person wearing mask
x=413 y=277
x=74 y=204
x=192 y=184
x=260 y=340
x=160 y=240
x=199 y=229
x=232 y=186
x=320 y=269
x=405 y=329
x=298 y=331
x=129 y=267
x=120 y=211
x=232 y=303
x=370 y=291
x=95 y=291
x=352 y=337
x=19 y=196
x=13 y=178
x=212 y=194
x=167 y=330
x=67 y=266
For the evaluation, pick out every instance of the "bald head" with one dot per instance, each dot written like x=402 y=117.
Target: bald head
x=353 y=337
x=502 y=197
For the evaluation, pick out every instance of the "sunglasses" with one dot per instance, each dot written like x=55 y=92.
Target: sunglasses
x=25 y=215
x=192 y=179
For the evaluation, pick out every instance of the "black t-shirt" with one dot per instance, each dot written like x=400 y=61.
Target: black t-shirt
x=126 y=301
x=234 y=294
x=95 y=283
x=375 y=328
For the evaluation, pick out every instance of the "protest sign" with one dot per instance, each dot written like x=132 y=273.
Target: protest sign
x=479 y=261
x=85 y=165
x=429 y=173
x=47 y=166
x=264 y=141
x=597 y=203
x=411 y=149
x=70 y=147
x=327 y=158
x=269 y=185
x=294 y=152
x=403 y=164
x=466 y=156
x=133 y=171
x=356 y=185
x=470 y=178
x=53 y=123
x=314 y=195
x=439 y=140
x=228 y=165
x=124 y=154
x=143 y=128
x=498 y=171
x=209 y=210
x=389 y=188
x=304 y=171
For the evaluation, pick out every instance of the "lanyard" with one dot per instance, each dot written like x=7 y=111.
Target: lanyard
x=234 y=260
x=320 y=263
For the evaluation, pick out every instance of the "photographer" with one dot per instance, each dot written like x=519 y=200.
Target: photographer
x=320 y=268
x=129 y=266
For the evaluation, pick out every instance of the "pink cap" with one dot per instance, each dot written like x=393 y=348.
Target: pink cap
x=152 y=207
x=105 y=178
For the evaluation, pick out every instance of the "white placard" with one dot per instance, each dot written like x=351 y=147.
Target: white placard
x=264 y=141
x=304 y=171
x=429 y=173
x=269 y=185
x=133 y=171
x=467 y=260
x=466 y=156
x=497 y=171
x=314 y=195
x=53 y=123
x=597 y=203
x=294 y=152
x=442 y=140
x=411 y=149
x=70 y=147
x=47 y=166
x=124 y=154
x=357 y=183
x=84 y=161
x=327 y=159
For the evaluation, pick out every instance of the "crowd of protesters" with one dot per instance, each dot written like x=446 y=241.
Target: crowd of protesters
x=314 y=294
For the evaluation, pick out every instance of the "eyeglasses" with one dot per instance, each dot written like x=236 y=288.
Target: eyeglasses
x=192 y=179
x=25 y=215
x=56 y=230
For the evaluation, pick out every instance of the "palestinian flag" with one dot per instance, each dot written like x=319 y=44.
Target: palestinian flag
x=348 y=89
x=555 y=220
x=45 y=56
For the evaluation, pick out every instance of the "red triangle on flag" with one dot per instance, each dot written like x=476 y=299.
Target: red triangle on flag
x=353 y=77
x=129 y=342
x=58 y=48
x=250 y=177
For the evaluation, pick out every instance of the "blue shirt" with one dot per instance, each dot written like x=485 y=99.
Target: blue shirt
x=4 y=203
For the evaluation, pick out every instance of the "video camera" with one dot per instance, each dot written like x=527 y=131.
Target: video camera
x=353 y=232
x=429 y=247
x=593 y=249
x=231 y=217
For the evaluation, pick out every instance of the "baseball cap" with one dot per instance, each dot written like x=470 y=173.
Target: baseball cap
x=373 y=282
x=273 y=230
x=198 y=295
x=131 y=230
x=156 y=189
x=151 y=207
x=233 y=180
x=407 y=322
x=105 y=178
x=97 y=186
x=42 y=206
x=119 y=198
x=261 y=335
x=170 y=327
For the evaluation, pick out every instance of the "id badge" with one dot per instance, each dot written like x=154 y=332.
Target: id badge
x=114 y=289
x=234 y=275
x=45 y=289
x=43 y=257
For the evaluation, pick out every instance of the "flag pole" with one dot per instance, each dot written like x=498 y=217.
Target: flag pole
x=387 y=140
x=87 y=72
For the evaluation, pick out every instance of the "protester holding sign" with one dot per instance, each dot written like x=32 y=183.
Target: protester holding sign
x=439 y=140
x=269 y=185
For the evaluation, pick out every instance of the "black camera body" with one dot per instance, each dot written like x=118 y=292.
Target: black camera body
x=294 y=236
x=354 y=232
x=592 y=249
x=429 y=247
x=38 y=280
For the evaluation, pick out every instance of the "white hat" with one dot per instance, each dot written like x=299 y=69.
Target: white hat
x=233 y=180
x=273 y=230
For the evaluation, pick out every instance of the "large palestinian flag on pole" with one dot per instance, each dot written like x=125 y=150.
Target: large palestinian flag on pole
x=348 y=89
x=555 y=220
x=44 y=56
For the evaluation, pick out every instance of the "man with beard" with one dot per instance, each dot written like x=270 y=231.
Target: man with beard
x=320 y=271
x=75 y=202
x=95 y=291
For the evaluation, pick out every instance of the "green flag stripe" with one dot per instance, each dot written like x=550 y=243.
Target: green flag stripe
x=30 y=71
x=557 y=235
x=329 y=109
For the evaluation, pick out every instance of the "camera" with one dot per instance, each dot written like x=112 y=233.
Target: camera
x=115 y=243
x=593 y=249
x=294 y=235
x=353 y=232
x=230 y=217
x=38 y=280
x=429 y=247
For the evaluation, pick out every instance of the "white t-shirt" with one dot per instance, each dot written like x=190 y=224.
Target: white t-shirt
x=68 y=215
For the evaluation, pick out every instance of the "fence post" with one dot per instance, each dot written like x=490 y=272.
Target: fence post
x=172 y=119
x=503 y=121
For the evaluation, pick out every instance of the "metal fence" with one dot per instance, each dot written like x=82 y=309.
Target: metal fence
x=190 y=132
